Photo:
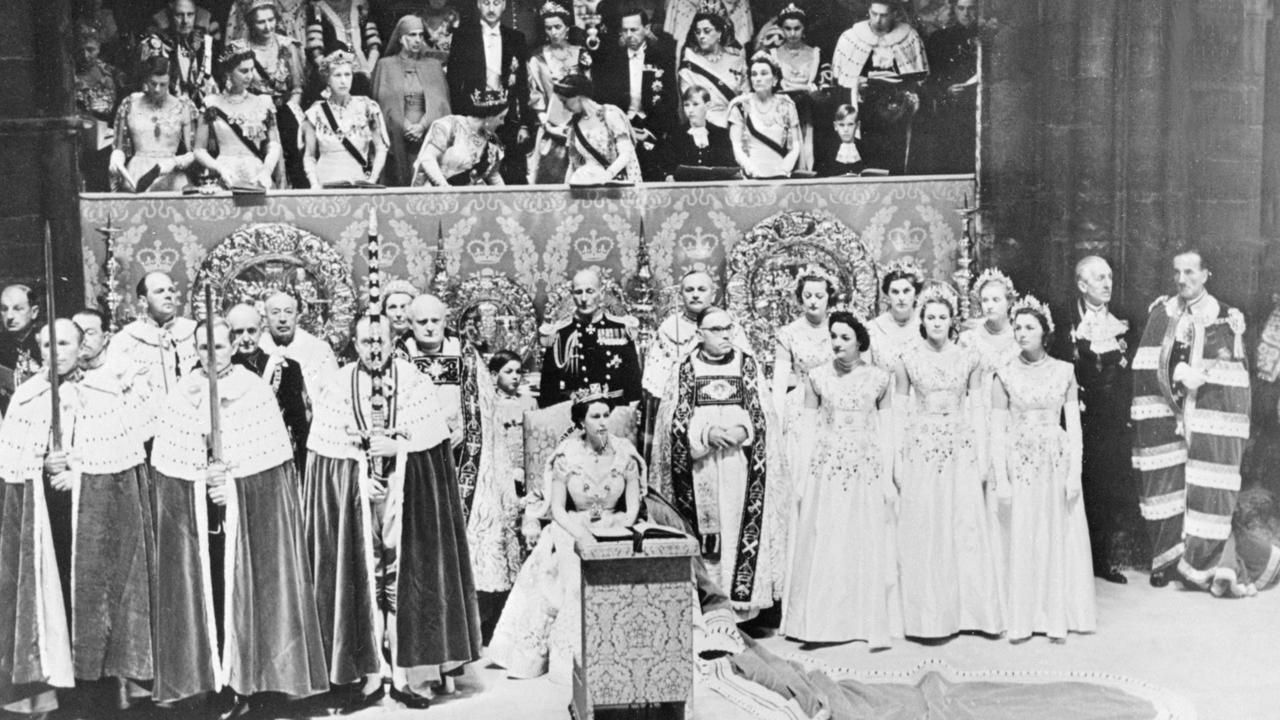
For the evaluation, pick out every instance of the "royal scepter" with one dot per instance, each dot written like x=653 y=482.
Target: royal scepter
x=215 y=414
x=55 y=419
x=376 y=366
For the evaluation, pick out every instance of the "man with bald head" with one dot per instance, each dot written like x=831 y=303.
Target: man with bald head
x=591 y=347
x=19 y=351
x=159 y=343
x=1098 y=343
x=284 y=376
x=284 y=338
x=387 y=495
x=676 y=337
x=181 y=31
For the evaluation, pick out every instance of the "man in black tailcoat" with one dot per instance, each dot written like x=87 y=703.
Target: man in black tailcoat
x=1100 y=344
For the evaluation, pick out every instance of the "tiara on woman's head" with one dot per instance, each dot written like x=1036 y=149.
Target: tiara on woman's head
x=940 y=292
x=1029 y=303
x=905 y=265
x=993 y=274
x=590 y=393
x=791 y=10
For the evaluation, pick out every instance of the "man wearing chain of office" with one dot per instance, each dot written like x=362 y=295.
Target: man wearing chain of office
x=592 y=347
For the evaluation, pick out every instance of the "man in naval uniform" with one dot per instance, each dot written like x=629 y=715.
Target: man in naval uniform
x=592 y=347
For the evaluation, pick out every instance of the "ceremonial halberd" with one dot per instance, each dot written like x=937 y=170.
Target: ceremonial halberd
x=536 y=236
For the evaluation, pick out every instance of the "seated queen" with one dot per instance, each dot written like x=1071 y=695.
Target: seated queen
x=592 y=486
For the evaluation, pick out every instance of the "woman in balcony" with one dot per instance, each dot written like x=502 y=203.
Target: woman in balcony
x=707 y=63
x=409 y=85
x=278 y=74
x=764 y=125
x=348 y=145
x=601 y=147
x=549 y=64
x=151 y=126
x=237 y=139
x=463 y=149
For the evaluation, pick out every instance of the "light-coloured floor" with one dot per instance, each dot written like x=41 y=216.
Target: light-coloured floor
x=1221 y=655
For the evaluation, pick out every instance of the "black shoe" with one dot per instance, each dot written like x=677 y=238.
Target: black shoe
x=410 y=699
x=1112 y=575
x=360 y=701
x=1160 y=578
x=239 y=708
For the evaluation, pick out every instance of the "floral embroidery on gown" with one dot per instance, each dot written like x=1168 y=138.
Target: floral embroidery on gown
x=844 y=521
x=994 y=350
x=890 y=341
x=255 y=117
x=549 y=160
x=780 y=123
x=1049 y=565
x=540 y=629
x=360 y=121
x=611 y=129
x=493 y=528
x=148 y=135
x=947 y=553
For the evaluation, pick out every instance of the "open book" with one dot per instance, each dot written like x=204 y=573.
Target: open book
x=643 y=529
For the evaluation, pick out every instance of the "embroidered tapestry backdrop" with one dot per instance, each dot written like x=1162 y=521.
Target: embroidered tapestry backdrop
x=537 y=236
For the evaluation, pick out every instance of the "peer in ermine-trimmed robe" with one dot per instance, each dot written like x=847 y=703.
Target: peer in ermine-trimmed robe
x=389 y=555
x=35 y=545
x=1191 y=420
x=232 y=579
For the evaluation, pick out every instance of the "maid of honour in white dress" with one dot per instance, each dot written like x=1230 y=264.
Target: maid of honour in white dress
x=897 y=329
x=842 y=583
x=1049 y=568
x=992 y=337
x=947 y=548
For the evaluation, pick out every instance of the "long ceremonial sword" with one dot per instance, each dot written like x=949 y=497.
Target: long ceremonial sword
x=55 y=420
x=215 y=407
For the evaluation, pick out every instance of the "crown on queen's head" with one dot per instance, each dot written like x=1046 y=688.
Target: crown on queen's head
x=485 y=98
x=590 y=393
x=1031 y=304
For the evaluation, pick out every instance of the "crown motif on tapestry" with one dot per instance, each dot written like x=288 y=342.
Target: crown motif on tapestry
x=905 y=266
x=993 y=274
x=698 y=245
x=907 y=239
x=486 y=99
x=593 y=249
x=487 y=250
x=1029 y=303
x=590 y=393
x=157 y=258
